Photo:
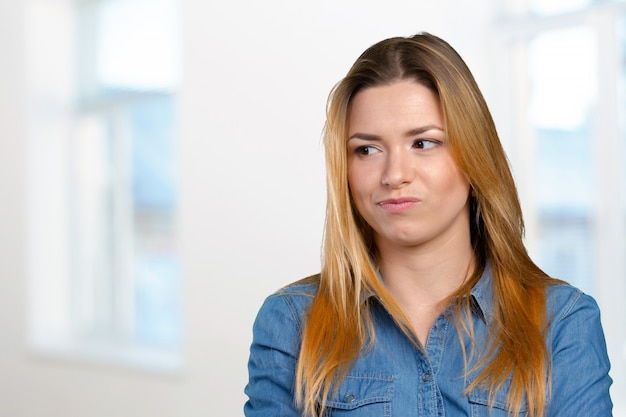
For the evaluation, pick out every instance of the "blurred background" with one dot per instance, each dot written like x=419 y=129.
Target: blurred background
x=161 y=173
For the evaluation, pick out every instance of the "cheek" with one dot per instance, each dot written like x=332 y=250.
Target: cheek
x=355 y=181
x=359 y=190
x=448 y=180
x=353 y=185
x=458 y=185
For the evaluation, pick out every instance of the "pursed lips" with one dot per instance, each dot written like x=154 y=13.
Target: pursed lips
x=398 y=205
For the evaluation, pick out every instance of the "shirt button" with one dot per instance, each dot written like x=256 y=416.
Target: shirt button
x=349 y=398
x=427 y=377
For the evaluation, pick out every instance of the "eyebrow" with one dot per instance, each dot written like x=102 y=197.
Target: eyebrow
x=412 y=132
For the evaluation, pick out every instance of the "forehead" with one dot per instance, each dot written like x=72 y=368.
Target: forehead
x=401 y=105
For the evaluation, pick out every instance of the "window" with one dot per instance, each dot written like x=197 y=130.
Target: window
x=562 y=172
x=103 y=223
x=569 y=154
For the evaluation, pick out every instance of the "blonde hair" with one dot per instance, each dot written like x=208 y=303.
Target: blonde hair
x=339 y=324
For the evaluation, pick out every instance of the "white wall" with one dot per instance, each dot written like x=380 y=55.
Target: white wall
x=256 y=78
x=256 y=83
x=12 y=318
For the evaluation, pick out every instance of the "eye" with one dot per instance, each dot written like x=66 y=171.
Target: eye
x=425 y=143
x=365 y=150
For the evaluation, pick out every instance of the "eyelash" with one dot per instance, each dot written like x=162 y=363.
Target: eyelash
x=367 y=150
x=423 y=143
x=361 y=150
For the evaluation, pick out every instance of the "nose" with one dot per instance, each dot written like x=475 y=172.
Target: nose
x=398 y=169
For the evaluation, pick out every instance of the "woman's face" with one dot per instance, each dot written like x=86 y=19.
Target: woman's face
x=403 y=178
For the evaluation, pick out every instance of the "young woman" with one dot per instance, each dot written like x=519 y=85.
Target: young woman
x=427 y=303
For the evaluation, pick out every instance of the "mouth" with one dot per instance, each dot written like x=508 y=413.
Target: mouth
x=398 y=205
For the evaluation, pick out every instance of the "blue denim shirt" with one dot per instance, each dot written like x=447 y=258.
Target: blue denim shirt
x=395 y=378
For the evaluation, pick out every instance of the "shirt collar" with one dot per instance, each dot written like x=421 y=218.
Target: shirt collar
x=482 y=295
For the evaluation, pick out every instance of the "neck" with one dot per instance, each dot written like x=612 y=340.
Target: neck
x=422 y=281
x=424 y=277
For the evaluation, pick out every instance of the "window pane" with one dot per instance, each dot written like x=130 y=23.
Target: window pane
x=552 y=7
x=157 y=277
x=126 y=272
x=563 y=91
x=542 y=7
x=129 y=44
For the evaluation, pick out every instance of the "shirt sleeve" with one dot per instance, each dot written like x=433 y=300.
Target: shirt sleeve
x=580 y=364
x=272 y=363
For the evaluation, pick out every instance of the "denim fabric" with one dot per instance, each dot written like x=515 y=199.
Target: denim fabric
x=395 y=378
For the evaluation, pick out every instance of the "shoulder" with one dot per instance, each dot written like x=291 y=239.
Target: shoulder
x=576 y=341
x=575 y=321
x=564 y=301
x=289 y=303
x=299 y=294
x=276 y=340
x=306 y=287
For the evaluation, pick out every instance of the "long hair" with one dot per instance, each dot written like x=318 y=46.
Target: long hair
x=339 y=325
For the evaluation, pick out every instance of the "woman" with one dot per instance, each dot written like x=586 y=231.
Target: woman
x=427 y=303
